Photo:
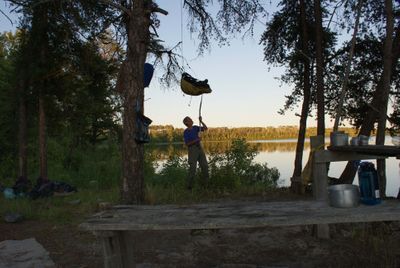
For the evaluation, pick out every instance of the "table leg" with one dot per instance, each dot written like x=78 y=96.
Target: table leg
x=111 y=242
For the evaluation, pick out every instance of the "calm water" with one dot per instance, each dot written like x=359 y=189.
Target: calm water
x=284 y=162
x=281 y=154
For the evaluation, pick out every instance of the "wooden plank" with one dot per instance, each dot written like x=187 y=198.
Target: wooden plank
x=319 y=171
x=111 y=248
x=384 y=150
x=237 y=215
x=325 y=156
x=320 y=180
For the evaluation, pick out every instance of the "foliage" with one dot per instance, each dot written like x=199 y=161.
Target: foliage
x=235 y=168
x=89 y=81
x=95 y=171
x=85 y=166
x=60 y=210
x=282 y=44
x=79 y=74
x=231 y=171
x=8 y=108
x=367 y=68
x=231 y=18
x=172 y=174
x=63 y=57
x=168 y=134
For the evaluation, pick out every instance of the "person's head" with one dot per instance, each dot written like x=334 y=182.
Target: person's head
x=187 y=121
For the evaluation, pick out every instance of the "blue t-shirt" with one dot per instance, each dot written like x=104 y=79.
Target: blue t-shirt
x=191 y=134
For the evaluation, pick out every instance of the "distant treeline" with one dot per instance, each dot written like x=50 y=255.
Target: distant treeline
x=168 y=133
x=167 y=150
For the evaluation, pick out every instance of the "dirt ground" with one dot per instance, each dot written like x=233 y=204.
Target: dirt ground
x=351 y=245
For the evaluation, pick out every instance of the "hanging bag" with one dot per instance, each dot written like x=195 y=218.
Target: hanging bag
x=142 y=132
x=193 y=86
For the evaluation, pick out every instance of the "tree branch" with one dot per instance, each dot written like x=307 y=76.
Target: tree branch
x=5 y=15
x=117 y=6
x=159 y=10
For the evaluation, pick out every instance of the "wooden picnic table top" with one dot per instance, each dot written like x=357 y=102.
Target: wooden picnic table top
x=382 y=150
x=236 y=214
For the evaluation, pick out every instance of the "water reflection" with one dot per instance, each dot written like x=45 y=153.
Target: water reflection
x=164 y=151
x=279 y=154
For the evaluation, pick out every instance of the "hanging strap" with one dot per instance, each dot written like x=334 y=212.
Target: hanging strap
x=201 y=104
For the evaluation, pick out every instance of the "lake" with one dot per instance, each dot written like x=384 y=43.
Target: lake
x=281 y=154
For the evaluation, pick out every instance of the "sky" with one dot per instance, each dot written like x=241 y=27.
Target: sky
x=245 y=91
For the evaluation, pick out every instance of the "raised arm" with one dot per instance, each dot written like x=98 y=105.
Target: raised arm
x=202 y=123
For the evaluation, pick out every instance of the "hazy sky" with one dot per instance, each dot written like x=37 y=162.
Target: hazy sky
x=245 y=89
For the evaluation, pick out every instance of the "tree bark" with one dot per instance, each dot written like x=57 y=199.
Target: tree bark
x=387 y=66
x=320 y=69
x=372 y=115
x=137 y=26
x=22 y=134
x=347 y=70
x=297 y=185
x=42 y=138
x=41 y=24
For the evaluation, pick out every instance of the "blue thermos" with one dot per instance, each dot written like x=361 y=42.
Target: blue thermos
x=369 y=184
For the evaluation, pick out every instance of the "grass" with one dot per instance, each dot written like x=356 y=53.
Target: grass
x=95 y=172
x=73 y=208
x=59 y=209
x=373 y=244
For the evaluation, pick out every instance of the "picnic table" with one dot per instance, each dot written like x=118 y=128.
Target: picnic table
x=115 y=226
x=341 y=153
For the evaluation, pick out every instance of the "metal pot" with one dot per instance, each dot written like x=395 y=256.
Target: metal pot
x=354 y=141
x=339 y=139
x=344 y=195
x=364 y=140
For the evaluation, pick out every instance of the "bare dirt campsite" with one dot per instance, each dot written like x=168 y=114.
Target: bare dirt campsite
x=350 y=245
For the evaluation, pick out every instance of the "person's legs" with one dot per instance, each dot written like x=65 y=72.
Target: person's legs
x=203 y=165
x=193 y=153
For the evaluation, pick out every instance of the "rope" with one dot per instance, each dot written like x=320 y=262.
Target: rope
x=183 y=61
x=182 y=34
x=201 y=104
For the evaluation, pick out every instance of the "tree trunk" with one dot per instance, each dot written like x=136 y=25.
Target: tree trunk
x=297 y=185
x=347 y=70
x=372 y=115
x=320 y=69
x=387 y=64
x=137 y=26
x=40 y=45
x=22 y=136
x=42 y=138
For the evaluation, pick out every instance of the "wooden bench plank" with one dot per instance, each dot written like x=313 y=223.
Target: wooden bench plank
x=325 y=156
x=236 y=215
x=383 y=150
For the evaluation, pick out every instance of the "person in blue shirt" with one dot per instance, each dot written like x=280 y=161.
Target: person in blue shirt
x=195 y=150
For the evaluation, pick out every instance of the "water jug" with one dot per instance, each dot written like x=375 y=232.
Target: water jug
x=368 y=183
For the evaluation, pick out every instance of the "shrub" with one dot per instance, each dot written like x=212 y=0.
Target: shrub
x=229 y=171
x=173 y=173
